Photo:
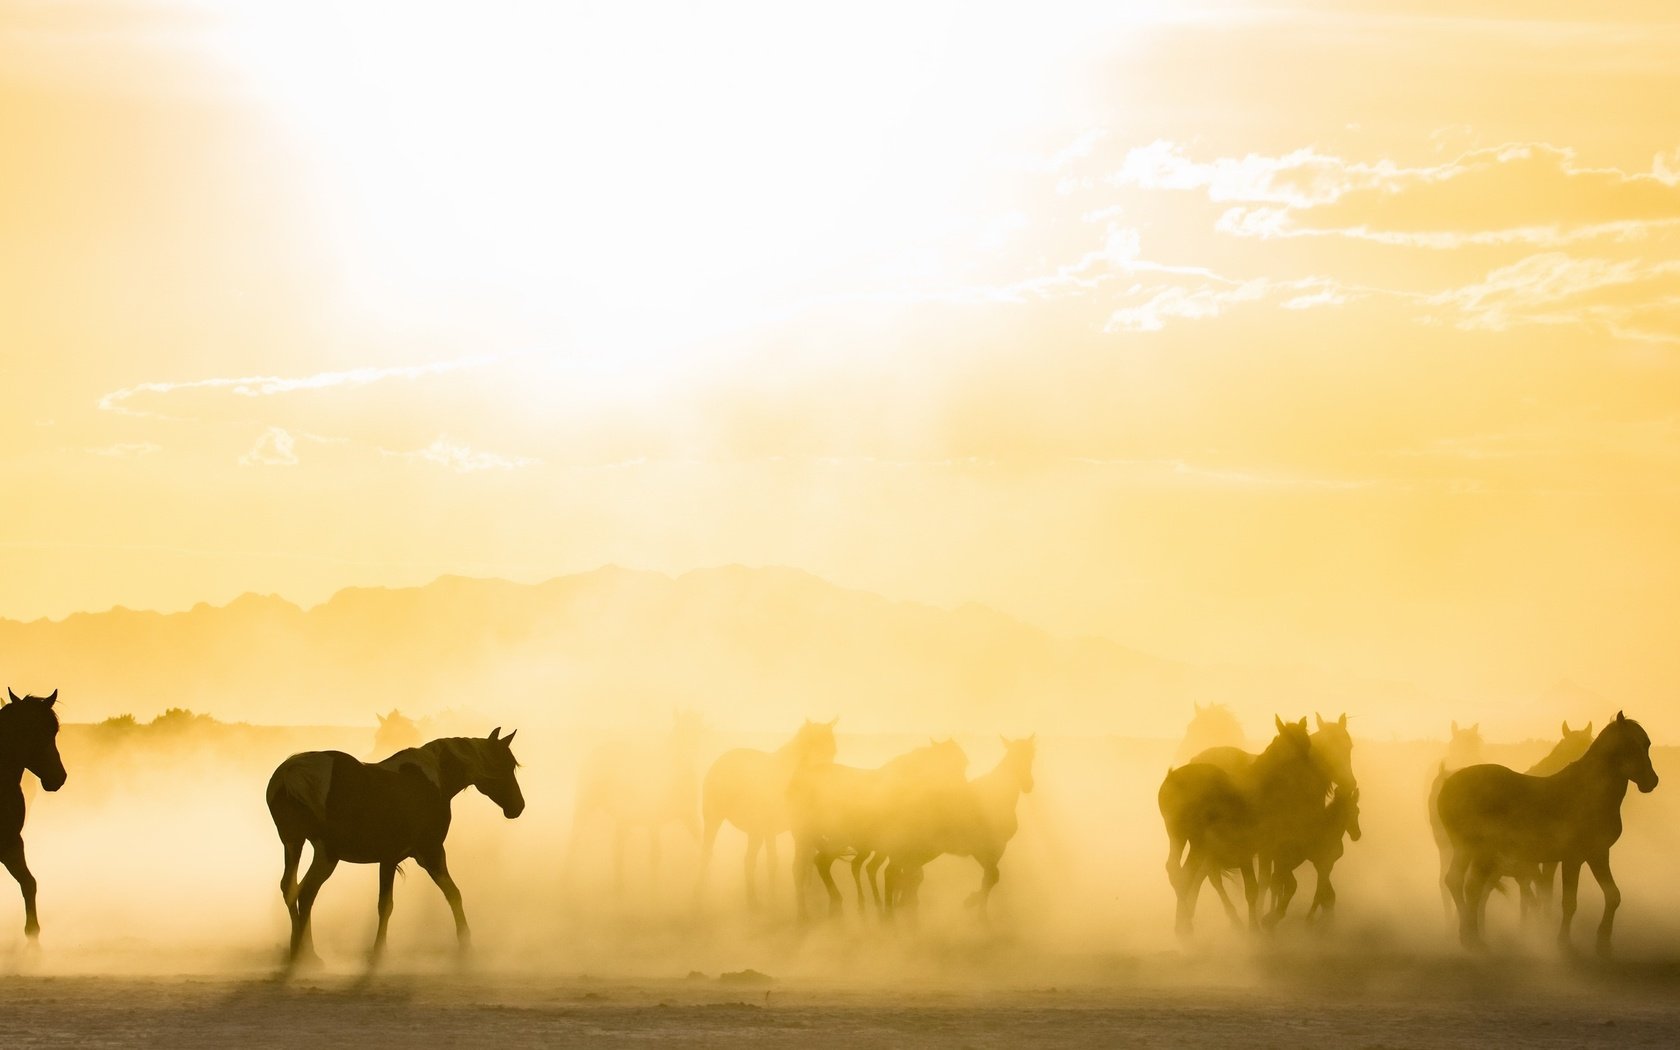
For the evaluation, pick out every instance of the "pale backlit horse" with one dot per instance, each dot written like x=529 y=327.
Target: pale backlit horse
x=978 y=821
x=839 y=810
x=28 y=741
x=1464 y=748
x=396 y=731
x=1219 y=820
x=1499 y=819
x=1214 y=725
x=641 y=785
x=749 y=789
x=382 y=813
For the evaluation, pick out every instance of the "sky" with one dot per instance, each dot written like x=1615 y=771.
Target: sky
x=1343 y=335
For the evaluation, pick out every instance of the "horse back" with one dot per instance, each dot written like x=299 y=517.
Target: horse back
x=363 y=813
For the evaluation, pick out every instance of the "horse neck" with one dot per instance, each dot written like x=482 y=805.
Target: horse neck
x=999 y=786
x=11 y=758
x=451 y=781
x=1591 y=774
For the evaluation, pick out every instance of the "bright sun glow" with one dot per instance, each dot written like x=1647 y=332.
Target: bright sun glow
x=627 y=183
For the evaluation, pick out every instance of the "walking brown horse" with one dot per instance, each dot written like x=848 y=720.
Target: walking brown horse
x=1497 y=818
x=28 y=741
x=381 y=813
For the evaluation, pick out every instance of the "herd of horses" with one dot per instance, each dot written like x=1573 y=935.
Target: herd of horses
x=1226 y=810
x=1264 y=815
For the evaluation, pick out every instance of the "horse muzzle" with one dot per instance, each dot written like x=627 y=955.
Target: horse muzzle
x=513 y=809
x=1645 y=786
x=54 y=783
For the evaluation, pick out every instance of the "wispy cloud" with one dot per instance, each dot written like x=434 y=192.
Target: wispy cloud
x=127 y=450
x=461 y=458
x=275 y=447
x=268 y=386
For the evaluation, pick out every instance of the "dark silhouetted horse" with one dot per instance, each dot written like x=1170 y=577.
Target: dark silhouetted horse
x=1218 y=820
x=1464 y=748
x=1499 y=819
x=381 y=813
x=749 y=789
x=28 y=741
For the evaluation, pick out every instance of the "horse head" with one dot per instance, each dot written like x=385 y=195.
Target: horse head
x=1292 y=739
x=1349 y=804
x=1464 y=747
x=1333 y=749
x=32 y=732
x=814 y=743
x=494 y=776
x=1630 y=750
x=1018 y=756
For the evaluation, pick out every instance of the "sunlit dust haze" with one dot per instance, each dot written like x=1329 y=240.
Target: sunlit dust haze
x=660 y=380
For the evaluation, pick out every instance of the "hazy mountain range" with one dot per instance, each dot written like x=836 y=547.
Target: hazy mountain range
x=747 y=646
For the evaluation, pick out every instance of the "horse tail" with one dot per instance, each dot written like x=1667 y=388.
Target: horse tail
x=302 y=780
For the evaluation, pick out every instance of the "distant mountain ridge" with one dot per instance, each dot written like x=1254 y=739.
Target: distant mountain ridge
x=761 y=646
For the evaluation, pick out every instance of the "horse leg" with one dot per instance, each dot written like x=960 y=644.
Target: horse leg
x=825 y=870
x=1478 y=883
x=1453 y=883
x=1324 y=894
x=871 y=869
x=437 y=866
x=1251 y=890
x=988 y=881
x=1187 y=886
x=1218 y=880
x=1175 y=859
x=1600 y=866
x=1571 y=884
x=387 y=883
x=321 y=867
x=770 y=866
x=12 y=857
x=288 y=875
x=1283 y=891
x=1548 y=879
x=857 y=876
x=749 y=868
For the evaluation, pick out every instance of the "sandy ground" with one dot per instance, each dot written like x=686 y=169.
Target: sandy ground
x=1165 y=1001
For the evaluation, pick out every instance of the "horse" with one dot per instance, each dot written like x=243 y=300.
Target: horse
x=396 y=731
x=1332 y=754
x=978 y=822
x=1227 y=819
x=28 y=742
x=1322 y=850
x=381 y=813
x=749 y=789
x=1464 y=748
x=843 y=809
x=1534 y=883
x=1497 y=818
x=641 y=784
x=1213 y=726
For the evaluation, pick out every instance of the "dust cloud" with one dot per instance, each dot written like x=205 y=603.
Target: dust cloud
x=160 y=857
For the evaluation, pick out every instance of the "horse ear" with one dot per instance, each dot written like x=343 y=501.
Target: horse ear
x=52 y=698
x=1342 y=721
x=1279 y=720
x=1320 y=719
x=507 y=741
x=1621 y=717
x=13 y=697
x=496 y=732
x=1566 y=727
